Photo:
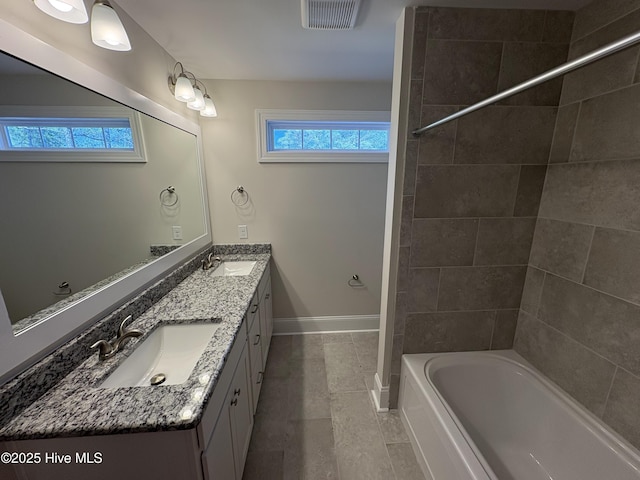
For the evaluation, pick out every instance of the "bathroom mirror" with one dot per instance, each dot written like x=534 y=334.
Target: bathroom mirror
x=97 y=199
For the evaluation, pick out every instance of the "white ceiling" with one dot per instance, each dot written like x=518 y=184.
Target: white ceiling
x=264 y=39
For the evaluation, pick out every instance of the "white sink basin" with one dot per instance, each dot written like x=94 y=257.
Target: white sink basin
x=171 y=350
x=234 y=269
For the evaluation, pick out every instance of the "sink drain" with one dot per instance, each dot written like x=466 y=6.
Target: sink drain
x=158 y=379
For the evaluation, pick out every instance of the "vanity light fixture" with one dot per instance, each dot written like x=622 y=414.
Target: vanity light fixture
x=107 y=30
x=72 y=11
x=184 y=86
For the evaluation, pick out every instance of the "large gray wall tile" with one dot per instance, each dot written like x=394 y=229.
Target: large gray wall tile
x=608 y=31
x=437 y=145
x=421 y=26
x=480 y=288
x=558 y=25
x=467 y=71
x=597 y=14
x=504 y=330
x=605 y=194
x=443 y=242
x=466 y=191
x=423 y=289
x=504 y=241
x=582 y=373
x=605 y=75
x=561 y=247
x=623 y=409
x=407 y=216
x=410 y=167
x=614 y=263
x=607 y=127
x=503 y=134
x=486 y=24
x=607 y=325
x=532 y=290
x=530 y=186
x=563 y=133
x=522 y=61
x=448 y=332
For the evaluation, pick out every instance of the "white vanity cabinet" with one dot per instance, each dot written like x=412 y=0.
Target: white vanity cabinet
x=227 y=423
x=260 y=330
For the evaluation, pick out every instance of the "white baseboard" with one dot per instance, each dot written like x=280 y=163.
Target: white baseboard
x=380 y=395
x=300 y=325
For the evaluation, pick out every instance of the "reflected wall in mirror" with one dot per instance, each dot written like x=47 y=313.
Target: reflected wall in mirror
x=75 y=220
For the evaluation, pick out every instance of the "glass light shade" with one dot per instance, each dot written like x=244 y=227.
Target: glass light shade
x=107 y=30
x=184 y=90
x=198 y=103
x=209 y=107
x=72 y=11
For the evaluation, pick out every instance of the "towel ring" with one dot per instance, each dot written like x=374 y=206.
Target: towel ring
x=237 y=196
x=355 y=282
x=164 y=196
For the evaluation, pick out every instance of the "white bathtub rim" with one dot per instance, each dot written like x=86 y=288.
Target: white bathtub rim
x=627 y=452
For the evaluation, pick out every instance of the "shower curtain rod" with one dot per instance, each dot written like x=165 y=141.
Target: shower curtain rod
x=543 y=77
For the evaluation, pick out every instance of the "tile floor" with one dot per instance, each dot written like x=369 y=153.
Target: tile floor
x=315 y=418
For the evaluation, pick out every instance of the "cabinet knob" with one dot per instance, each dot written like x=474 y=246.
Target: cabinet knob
x=267 y=296
x=255 y=308
x=257 y=339
x=236 y=391
x=260 y=377
x=234 y=402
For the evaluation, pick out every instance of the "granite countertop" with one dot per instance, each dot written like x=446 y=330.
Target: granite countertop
x=76 y=406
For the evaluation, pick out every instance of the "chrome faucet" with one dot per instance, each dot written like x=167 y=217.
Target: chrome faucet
x=108 y=350
x=209 y=262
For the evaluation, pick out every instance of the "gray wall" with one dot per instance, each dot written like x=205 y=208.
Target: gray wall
x=472 y=187
x=580 y=314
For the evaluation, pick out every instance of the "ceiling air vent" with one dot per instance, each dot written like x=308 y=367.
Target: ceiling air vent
x=329 y=14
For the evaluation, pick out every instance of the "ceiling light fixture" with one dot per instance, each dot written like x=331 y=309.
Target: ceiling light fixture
x=107 y=30
x=72 y=11
x=184 y=87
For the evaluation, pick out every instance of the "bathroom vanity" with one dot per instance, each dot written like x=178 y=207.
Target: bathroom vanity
x=197 y=429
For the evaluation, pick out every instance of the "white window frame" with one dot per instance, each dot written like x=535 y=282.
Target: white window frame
x=77 y=155
x=264 y=116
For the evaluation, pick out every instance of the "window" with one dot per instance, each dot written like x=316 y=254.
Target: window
x=323 y=136
x=80 y=134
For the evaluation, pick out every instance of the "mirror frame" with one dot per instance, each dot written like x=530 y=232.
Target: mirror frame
x=18 y=352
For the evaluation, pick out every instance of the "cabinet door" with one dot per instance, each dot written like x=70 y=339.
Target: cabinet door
x=241 y=413
x=217 y=460
x=255 y=359
x=266 y=322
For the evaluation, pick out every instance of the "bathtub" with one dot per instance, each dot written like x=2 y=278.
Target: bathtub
x=491 y=415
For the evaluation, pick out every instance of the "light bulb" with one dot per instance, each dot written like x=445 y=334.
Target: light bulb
x=209 y=107
x=198 y=103
x=183 y=89
x=72 y=11
x=63 y=7
x=107 y=30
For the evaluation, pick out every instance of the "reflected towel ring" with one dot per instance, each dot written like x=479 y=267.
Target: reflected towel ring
x=238 y=194
x=164 y=196
x=355 y=282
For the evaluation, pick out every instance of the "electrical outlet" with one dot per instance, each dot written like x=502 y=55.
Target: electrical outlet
x=242 y=232
x=177 y=232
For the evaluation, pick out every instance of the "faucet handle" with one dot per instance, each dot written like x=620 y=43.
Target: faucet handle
x=106 y=349
x=122 y=330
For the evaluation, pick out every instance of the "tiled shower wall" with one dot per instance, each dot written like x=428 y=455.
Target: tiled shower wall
x=472 y=187
x=580 y=314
